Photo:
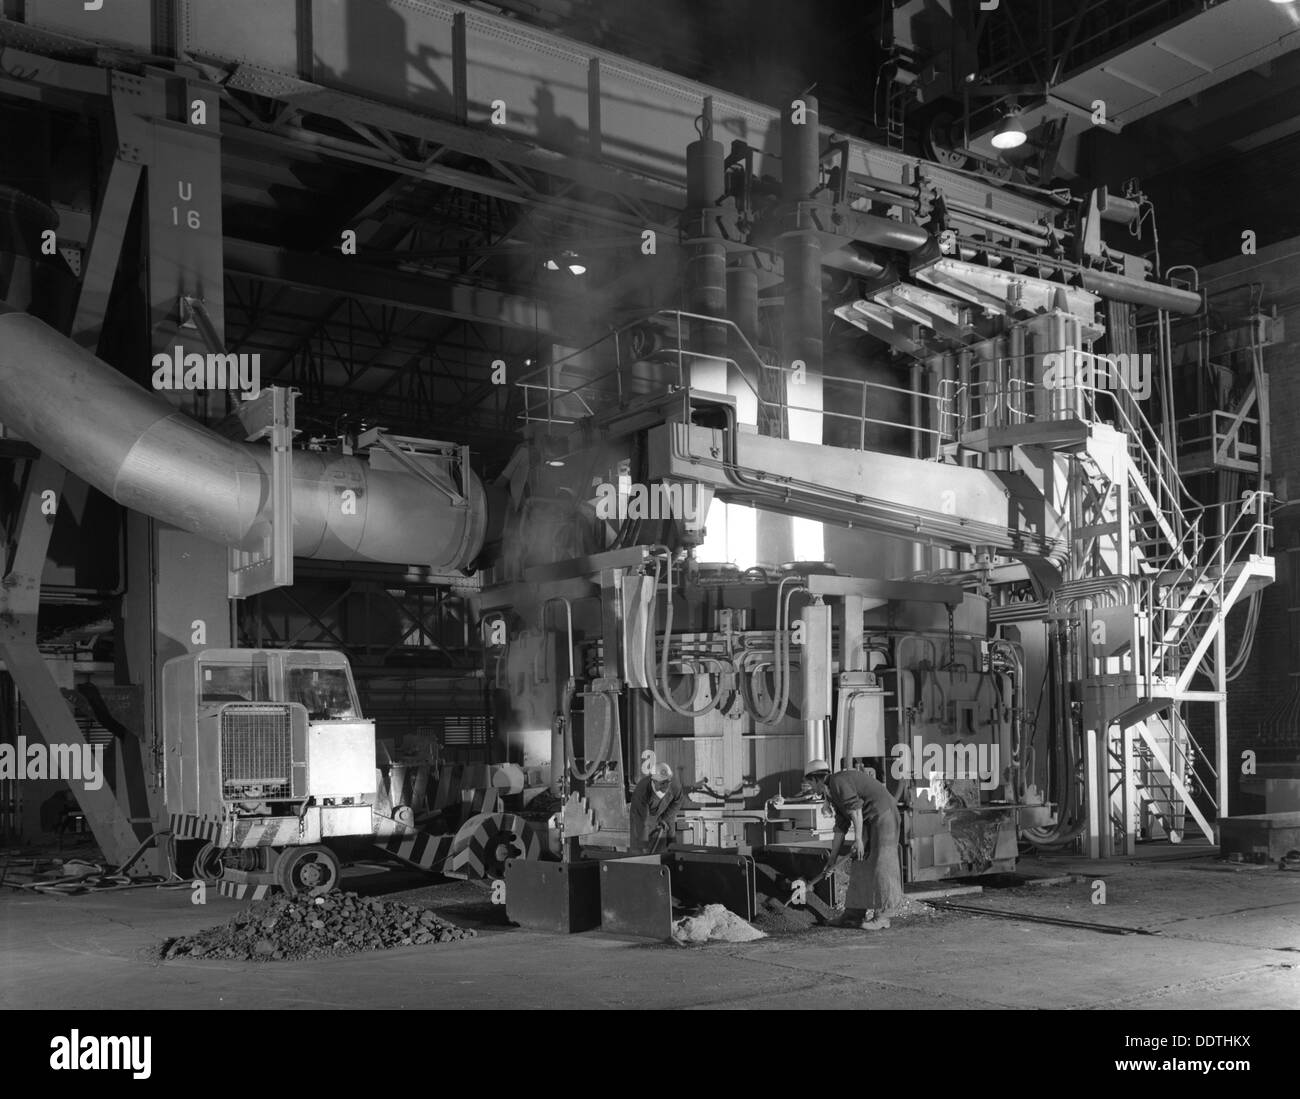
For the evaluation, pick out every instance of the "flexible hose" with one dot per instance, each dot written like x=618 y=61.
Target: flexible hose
x=657 y=671
x=684 y=711
x=611 y=730
x=748 y=678
x=1067 y=776
x=781 y=655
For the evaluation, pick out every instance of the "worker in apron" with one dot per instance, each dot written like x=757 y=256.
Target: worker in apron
x=864 y=803
x=653 y=812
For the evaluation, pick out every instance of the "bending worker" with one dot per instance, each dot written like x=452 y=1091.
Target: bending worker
x=653 y=812
x=861 y=801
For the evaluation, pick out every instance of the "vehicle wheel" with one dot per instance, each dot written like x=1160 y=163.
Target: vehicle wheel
x=942 y=136
x=307 y=871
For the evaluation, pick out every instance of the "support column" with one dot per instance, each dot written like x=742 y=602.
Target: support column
x=1095 y=762
x=729 y=533
x=801 y=254
x=1221 y=725
x=706 y=263
x=177 y=583
x=1128 y=789
x=742 y=308
x=916 y=375
x=1019 y=402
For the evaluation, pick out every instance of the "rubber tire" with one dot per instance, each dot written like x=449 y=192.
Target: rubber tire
x=289 y=865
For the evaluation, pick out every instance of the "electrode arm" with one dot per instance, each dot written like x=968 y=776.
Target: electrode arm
x=949 y=505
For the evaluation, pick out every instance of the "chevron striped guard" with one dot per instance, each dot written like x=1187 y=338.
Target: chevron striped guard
x=244 y=891
x=428 y=852
x=485 y=842
x=260 y=832
x=186 y=826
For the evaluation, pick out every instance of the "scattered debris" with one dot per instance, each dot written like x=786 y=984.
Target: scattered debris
x=717 y=923
x=291 y=928
x=910 y=906
x=776 y=918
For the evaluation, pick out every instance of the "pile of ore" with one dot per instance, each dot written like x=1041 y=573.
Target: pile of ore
x=289 y=928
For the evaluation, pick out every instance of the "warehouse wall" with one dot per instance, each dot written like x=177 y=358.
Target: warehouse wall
x=1255 y=698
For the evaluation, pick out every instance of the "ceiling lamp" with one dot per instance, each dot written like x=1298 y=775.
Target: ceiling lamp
x=569 y=259
x=1011 y=133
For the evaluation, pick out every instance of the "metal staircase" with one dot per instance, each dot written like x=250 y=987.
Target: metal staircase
x=1192 y=563
x=1167 y=782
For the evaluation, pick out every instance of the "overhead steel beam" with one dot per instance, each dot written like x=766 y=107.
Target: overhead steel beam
x=433 y=71
x=511 y=189
x=356 y=279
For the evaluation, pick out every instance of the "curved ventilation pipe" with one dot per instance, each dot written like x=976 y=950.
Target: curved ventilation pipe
x=136 y=448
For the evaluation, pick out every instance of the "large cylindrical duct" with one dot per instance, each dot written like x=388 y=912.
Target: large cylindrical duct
x=706 y=265
x=742 y=308
x=801 y=250
x=134 y=447
x=801 y=254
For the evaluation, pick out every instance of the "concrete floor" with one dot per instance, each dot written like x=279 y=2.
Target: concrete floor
x=1223 y=937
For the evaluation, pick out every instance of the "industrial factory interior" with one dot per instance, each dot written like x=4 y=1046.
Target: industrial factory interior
x=586 y=504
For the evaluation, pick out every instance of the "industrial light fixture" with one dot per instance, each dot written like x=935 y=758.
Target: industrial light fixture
x=569 y=259
x=1011 y=133
x=553 y=451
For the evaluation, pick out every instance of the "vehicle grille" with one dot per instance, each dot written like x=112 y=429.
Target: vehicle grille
x=256 y=750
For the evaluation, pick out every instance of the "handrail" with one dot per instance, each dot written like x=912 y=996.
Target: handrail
x=526 y=381
x=539 y=380
x=1243 y=538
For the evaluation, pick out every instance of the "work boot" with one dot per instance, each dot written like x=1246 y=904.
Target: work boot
x=879 y=923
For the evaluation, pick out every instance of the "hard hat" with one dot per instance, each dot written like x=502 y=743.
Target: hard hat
x=815 y=765
x=662 y=772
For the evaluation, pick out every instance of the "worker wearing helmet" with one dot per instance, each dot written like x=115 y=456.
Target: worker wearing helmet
x=653 y=812
x=861 y=801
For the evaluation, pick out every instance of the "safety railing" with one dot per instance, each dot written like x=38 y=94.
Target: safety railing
x=1161 y=499
x=1165 y=519
x=1182 y=751
x=840 y=400
x=1221 y=437
x=1183 y=607
x=547 y=401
